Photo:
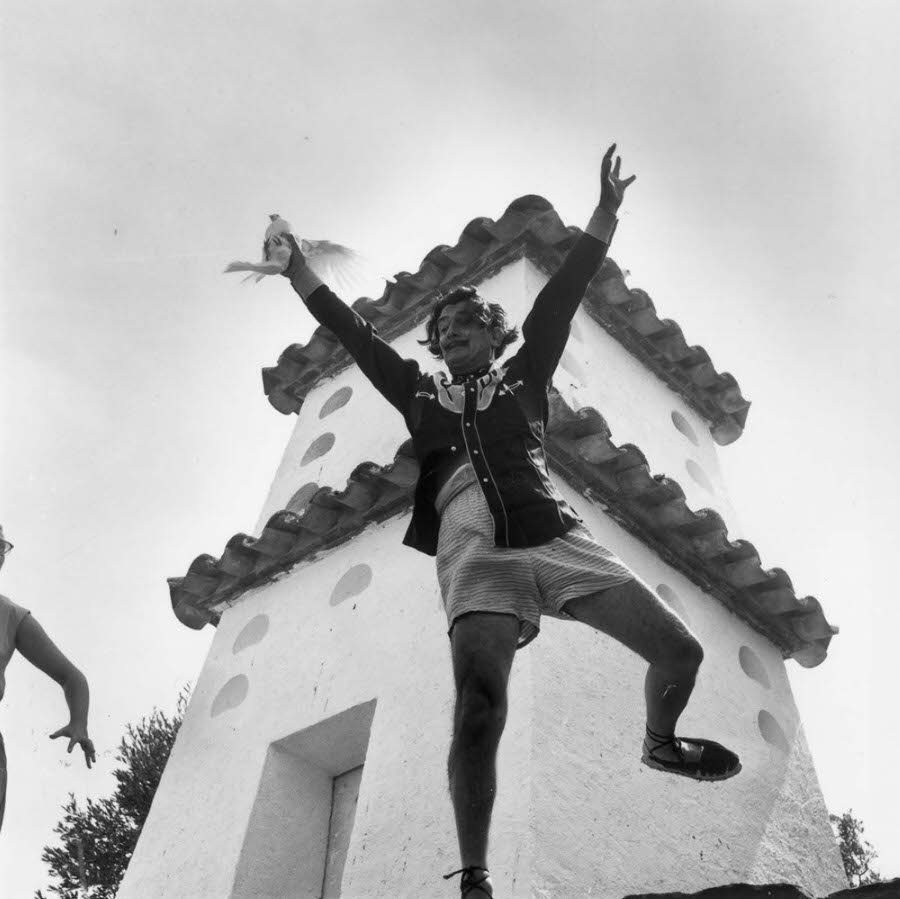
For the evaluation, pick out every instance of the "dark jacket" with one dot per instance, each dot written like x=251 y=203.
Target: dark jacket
x=497 y=420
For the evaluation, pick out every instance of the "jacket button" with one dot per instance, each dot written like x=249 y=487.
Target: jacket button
x=453 y=449
x=475 y=452
x=468 y=424
x=485 y=480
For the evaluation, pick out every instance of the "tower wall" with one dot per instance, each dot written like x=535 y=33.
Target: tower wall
x=576 y=812
x=344 y=661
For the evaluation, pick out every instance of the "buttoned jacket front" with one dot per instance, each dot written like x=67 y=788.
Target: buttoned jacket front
x=496 y=421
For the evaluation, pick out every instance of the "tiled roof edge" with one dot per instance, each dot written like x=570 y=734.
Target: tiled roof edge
x=580 y=448
x=530 y=226
x=696 y=543
x=373 y=493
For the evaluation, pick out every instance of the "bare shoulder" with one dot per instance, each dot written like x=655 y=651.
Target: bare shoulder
x=9 y=607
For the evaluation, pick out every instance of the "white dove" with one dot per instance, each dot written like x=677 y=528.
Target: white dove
x=337 y=265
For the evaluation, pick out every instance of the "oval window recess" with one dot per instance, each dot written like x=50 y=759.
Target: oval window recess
x=301 y=499
x=772 y=732
x=672 y=600
x=230 y=696
x=335 y=401
x=353 y=582
x=317 y=448
x=699 y=475
x=252 y=633
x=684 y=426
x=753 y=667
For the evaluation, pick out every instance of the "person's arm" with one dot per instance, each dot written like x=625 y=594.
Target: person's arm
x=32 y=641
x=546 y=329
x=392 y=375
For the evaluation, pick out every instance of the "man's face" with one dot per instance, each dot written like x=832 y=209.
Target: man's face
x=466 y=344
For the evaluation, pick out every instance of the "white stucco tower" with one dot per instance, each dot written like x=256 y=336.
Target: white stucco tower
x=311 y=761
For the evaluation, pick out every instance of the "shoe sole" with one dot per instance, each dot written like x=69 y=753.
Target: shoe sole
x=652 y=763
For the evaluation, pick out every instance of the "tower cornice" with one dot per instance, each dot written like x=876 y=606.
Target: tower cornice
x=531 y=228
x=579 y=448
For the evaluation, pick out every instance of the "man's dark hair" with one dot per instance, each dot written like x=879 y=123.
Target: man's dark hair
x=491 y=315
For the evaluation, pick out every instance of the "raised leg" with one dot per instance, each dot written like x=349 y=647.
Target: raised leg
x=636 y=617
x=483 y=645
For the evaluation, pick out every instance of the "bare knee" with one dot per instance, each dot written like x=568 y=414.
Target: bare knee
x=686 y=653
x=480 y=711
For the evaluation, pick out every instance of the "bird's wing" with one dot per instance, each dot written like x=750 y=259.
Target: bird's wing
x=347 y=271
x=263 y=268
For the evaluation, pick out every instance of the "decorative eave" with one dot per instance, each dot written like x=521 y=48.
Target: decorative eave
x=580 y=449
x=530 y=227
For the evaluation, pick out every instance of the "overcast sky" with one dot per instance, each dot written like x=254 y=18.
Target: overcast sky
x=145 y=144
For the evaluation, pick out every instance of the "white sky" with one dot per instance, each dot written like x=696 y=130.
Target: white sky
x=144 y=146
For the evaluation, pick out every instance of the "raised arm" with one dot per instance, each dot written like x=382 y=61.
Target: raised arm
x=33 y=642
x=392 y=375
x=546 y=329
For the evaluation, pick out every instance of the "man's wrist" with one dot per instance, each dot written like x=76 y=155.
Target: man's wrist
x=602 y=225
x=303 y=279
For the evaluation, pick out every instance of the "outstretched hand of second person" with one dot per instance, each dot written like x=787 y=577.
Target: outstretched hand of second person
x=78 y=736
x=612 y=186
x=34 y=644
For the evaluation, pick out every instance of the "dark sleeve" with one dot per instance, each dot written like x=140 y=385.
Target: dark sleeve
x=546 y=329
x=393 y=376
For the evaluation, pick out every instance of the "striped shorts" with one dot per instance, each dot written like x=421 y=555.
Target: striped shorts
x=477 y=576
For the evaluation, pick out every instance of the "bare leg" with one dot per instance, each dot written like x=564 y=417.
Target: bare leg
x=636 y=617
x=483 y=645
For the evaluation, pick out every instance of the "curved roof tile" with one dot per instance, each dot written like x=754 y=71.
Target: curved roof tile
x=529 y=227
x=580 y=448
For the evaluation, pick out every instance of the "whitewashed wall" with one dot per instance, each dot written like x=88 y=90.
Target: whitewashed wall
x=577 y=813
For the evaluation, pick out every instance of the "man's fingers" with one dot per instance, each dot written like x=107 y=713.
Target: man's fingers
x=628 y=181
x=617 y=166
x=607 y=161
x=58 y=733
x=72 y=743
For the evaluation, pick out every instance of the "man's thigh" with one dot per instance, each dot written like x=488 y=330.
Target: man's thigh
x=483 y=645
x=636 y=617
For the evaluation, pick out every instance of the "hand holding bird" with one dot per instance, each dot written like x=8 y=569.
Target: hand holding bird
x=334 y=263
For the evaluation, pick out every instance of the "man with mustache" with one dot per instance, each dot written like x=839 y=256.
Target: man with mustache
x=508 y=547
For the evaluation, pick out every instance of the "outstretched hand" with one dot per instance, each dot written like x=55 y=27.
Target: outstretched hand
x=612 y=187
x=78 y=735
x=285 y=247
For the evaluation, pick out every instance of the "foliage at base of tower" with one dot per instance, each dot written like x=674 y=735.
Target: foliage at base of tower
x=857 y=854
x=97 y=841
